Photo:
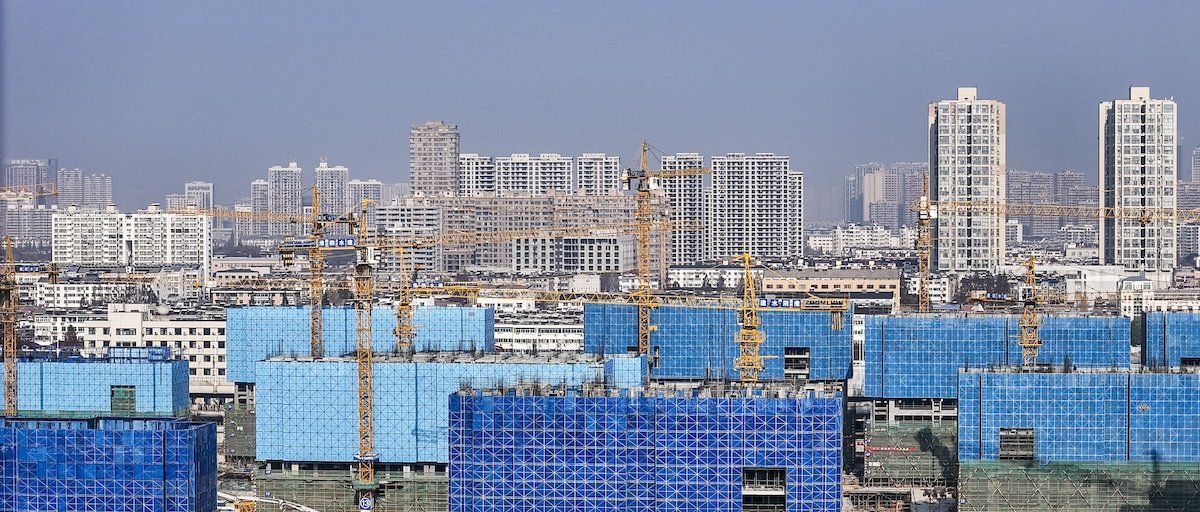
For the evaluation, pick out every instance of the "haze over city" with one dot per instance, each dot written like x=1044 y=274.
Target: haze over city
x=534 y=256
x=155 y=93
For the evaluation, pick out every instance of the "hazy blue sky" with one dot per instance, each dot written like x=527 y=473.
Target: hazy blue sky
x=156 y=93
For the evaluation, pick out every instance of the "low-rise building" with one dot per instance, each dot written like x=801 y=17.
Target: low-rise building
x=80 y=295
x=540 y=331
x=866 y=287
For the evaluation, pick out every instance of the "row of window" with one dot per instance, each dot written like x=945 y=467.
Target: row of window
x=162 y=331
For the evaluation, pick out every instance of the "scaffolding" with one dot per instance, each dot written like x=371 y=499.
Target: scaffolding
x=994 y=486
x=920 y=355
x=129 y=383
x=256 y=333
x=1171 y=339
x=107 y=464
x=911 y=453
x=1082 y=416
x=329 y=487
x=611 y=450
x=697 y=343
x=305 y=408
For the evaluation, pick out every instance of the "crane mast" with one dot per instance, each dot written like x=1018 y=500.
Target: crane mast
x=749 y=362
x=643 y=294
x=1029 y=340
x=925 y=215
x=8 y=296
x=316 y=280
x=405 y=332
x=644 y=218
x=364 y=266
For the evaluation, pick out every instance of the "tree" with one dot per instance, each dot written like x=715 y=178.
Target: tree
x=71 y=338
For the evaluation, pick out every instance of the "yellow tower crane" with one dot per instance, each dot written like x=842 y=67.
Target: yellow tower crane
x=645 y=218
x=316 y=284
x=925 y=216
x=1030 y=340
x=8 y=308
x=365 y=484
x=749 y=362
x=314 y=245
x=10 y=296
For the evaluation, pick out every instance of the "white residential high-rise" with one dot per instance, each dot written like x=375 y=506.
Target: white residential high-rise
x=433 y=158
x=880 y=191
x=967 y=163
x=410 y=217
x=1137 y=168
x=755 y=206
x=243 y=227
x=1031 y=187
x=70 y=187
x=685 y=204
x=522 y=173
x=909 y=176
x=333 y=187
x=198 y=194
x=259 y=203
x=284 y=197
x=176 y=202
x=598 y=174
x=575 y=255
x=28 y=224
x=97 y=191
x=1196 y=164
x=25 y=173
x=476 y=174
x=149 y=238
x=358 y=190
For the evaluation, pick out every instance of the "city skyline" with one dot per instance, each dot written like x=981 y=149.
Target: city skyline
x=171 y=130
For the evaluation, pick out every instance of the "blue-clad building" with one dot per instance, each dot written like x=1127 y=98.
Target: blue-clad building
x=255 y=333
x=108 y=464
x=621 y=451
x=306 y=409
x=129 y=382
x=698 y=343
x=920 y=355
x=1171 y=339
x=1082 y=416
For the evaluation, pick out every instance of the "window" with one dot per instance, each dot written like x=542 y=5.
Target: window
x=123 y=400
x=796 y=362
x=764 y=490
x=1017 y=444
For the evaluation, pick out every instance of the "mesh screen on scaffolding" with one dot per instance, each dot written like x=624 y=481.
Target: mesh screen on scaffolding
x=621 y=453
x=107 y=464
x=911 y=453
x=1172 y=339
x=332 y=489
x=306 y=410
x=1078 y=417
x=83 y=388
x=919 y=355
x=255 y=333
x=695 y=343
x=992 y=486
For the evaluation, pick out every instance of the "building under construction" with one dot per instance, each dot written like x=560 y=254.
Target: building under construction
x=1085 y=439
x=107 y=464
x=612 y=449
x=298 y=417
x=906 y=431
